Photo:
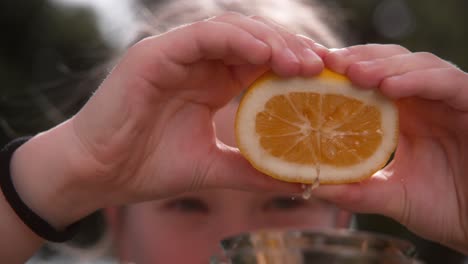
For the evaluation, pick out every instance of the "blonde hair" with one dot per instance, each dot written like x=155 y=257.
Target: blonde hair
x=299 y=17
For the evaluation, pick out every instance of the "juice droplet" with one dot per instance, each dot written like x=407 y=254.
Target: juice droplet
x=330 y=152
x=315 y=185
x=309 y=188
x=307 y=193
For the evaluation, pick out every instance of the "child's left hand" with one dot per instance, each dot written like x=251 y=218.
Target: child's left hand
x=426 y=185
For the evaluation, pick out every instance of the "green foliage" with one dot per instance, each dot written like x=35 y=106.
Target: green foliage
x=45 y=50
x=437 y=27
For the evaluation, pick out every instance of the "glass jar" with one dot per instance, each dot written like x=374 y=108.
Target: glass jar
x=314 y=246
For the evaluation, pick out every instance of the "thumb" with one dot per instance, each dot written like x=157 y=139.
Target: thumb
x=381 y=194
x=229 y=169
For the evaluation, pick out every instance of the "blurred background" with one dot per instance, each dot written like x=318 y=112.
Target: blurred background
x=52 y=54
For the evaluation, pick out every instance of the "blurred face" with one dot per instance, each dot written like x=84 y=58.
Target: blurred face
x=187 y=228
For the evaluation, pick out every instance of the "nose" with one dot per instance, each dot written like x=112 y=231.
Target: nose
x=227 y=225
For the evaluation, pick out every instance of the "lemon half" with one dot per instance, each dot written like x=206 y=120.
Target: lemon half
x=315 y=129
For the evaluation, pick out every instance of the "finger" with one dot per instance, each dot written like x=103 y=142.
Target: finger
x=247 y=74
x=213 y=40
x=380 y=194
x=375 y=195
x=446 y=84
x=311 y=63
x=279 y=47
x=204 y=40
x=384 y=193
x=369 y=73
x=339 y=60
x=229 y=169
x=316 y=47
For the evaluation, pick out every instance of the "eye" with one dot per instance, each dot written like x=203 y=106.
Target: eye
x=188 y=205
x=284 y=203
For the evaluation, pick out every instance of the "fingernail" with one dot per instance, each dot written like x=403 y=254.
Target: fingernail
x=310 y=56
x=340 y=52
x=320 y=46
x=320 y=49
x=290 y=56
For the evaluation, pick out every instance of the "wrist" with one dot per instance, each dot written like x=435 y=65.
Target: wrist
x=46 y=180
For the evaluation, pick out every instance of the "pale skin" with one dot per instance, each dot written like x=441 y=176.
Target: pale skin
x=187 y=228
x=194 y=222
x=147 y=133
x=426 y=186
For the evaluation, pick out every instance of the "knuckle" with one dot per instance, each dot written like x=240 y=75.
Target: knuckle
x=387 y=84
x=354 y=68
x=230 y=14
x=257 y=17
x=357 y=68
x=354 y=50
x=458 y=75
x=202 y=26
x=141 y=46
x=389 y=48
x=270 y=23
x=434 y=60
x=426 y=56
x=397 y=48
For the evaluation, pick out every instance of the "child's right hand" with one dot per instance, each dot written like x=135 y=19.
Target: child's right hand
x=148 y=130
